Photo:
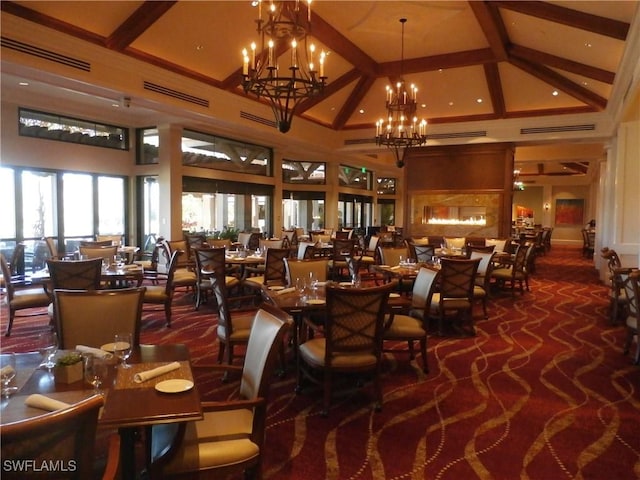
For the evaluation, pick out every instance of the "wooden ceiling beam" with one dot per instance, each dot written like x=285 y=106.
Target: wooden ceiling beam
x=341 y=45
x=566 y=16
x=549 y=76
x=351 y=104
x=436 y=62
x=50 y=22
x=491 y=23
x=137 y=23
x=331 y=88
x=492 y=74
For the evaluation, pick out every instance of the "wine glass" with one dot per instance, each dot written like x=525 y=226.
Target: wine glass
x=95 y=369
x=7 y=373
x=48 y=344
x=122 y=348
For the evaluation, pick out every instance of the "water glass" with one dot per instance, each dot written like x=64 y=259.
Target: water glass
x=7 y=373
x=48 y=346
x=95 y=371
x=122 y=348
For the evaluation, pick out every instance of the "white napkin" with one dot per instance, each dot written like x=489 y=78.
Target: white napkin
x=286 y=290
x=96 y=352
x=6 y=370
x=155 y=372
x=45 y=403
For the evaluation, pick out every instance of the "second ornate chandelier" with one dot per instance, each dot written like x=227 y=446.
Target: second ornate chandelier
x=401 y=130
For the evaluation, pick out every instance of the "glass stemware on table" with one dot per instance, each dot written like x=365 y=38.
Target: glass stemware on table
x=122 y=348
x=7 y=373
x=48 y=346
x=95 y=370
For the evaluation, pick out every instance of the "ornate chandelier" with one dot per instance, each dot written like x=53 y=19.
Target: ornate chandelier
x=284 y=28
x=401 y=131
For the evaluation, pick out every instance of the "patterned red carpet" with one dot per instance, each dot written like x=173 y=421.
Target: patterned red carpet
x=542 y=392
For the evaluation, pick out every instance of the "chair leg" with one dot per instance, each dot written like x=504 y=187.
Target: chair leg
x=221 y=348
x=167 y=313
x=327 y=393
x=423 y=350
x=12 y=314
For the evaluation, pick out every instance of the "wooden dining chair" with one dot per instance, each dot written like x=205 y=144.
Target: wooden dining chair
x=65 y=438
x=617 y=296
x=231 y=332
x=352 y=340
x=94 y=317
x=104 y=252
x=630 y=279
x=21 y=298
x=211 y=262
x=305 y=268
x=454 y=299
x=515 y=273
x=274 y=270
x=482 y=281
x=342 y=248
x=230 y=438
x=412 y=326
x=163 y=294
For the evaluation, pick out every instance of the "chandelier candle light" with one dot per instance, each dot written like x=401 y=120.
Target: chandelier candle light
x=402 y=129
x=285 y=27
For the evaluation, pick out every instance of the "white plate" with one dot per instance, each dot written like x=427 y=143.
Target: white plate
x=109 y=347
x=394 y=295
x=315 y=301
x=175 y=385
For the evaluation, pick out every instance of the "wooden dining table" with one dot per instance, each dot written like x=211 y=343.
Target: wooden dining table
x=112 y=276
x=128 y=405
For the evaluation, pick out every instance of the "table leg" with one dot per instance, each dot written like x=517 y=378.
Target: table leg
x=128 y=453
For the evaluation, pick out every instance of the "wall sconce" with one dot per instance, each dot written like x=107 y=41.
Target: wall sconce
x=546 y=207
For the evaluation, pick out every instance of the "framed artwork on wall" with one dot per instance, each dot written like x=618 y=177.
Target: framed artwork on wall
x=569 y=211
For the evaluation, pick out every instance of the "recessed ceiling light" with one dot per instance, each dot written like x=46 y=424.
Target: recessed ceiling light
x=361 y=111
x=479 y=100
x=115 y=105
x=199 y=48
x=439 y=70
x=423 y=105
x=23 y=84
x=555 y=93
x=451 y=104
x=588 y=44
x=584 y=83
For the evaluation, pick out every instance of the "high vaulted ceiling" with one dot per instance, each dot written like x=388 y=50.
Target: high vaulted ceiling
x=473 y=61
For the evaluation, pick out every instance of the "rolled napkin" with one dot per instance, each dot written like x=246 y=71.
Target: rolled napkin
x=6 y=370
x=45 y=403
x=155 y=372
x=286 y=290
x=96 y=352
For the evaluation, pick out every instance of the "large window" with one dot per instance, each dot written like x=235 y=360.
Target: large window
x=303 y=209
x=209 y=151
x=66 y=129
x=66 y=205
x=303 y=173
x=354 y=211
x=212 y=206
x=359 y=178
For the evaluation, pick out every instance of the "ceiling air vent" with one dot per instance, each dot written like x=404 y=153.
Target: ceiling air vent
x=441 y=136
x=257 y=119
x=435 y=136
x=169 y=92
x=566 y=128
x=45 y=54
